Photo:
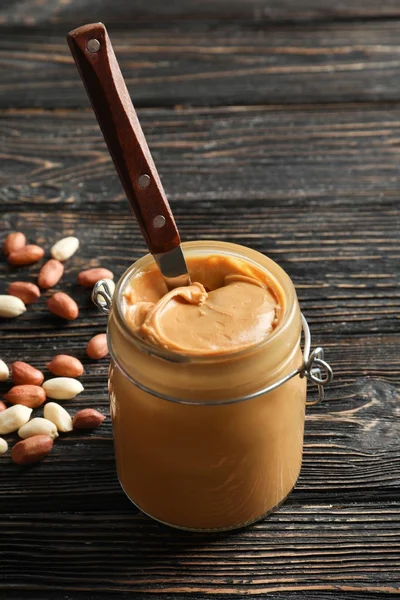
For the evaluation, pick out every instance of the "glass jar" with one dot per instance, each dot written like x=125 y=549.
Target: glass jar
x=208 y=443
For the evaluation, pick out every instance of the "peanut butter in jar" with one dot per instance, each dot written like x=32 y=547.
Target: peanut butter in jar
x=192 y=450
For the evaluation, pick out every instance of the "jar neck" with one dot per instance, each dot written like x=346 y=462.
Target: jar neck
x=255 y=366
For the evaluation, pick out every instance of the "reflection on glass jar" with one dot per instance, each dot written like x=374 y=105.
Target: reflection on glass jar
x=190 y=451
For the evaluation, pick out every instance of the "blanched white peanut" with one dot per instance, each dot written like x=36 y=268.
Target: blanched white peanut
x=59 y=416
x=65 y=248
x=14 y=417
x=38 y=426
x=4 y=371
x=62 y=388
x=3 y=446
x=11 y=306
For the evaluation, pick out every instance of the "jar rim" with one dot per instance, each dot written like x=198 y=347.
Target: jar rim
x=209 y=247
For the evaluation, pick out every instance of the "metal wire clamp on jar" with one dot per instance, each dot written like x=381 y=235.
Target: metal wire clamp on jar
x=213 y=462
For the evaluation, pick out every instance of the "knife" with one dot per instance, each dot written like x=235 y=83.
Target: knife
x=94 y=57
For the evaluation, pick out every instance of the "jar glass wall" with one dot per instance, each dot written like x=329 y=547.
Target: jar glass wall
x=203 y=459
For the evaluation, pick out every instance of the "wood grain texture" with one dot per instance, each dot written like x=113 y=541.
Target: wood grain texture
x=318 y=188
x=334 y=302
x=332 y=551
x=351 y=452
x=32 y=12
x=317 y=156
x=338 y=244
x=347 y=592
x=208 y=65
x=302 y=165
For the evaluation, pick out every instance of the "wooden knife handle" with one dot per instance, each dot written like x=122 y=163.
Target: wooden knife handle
x=94 y=56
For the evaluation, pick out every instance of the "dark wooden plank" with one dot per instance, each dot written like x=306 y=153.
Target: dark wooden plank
x=308 y=594
x=322 y=550
x=31 y=12
x=318 y=188
x=345 y=288
x=318 y=156
x=202 y=64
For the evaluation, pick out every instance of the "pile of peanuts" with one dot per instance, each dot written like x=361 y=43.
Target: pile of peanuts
x=30 y=391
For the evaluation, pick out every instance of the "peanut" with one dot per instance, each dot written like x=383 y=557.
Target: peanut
x=28 y=395
x=50 y=274
x=25 y=256
x=58 y=415
x=65 y=366
x=3 y=446
x=32 y=449
x=89 y=277
x=97 y=347
x=24 y=374
x=88 y=418
x=13 y=418
x=38 y=426
x=14 y=241
x=65 y=248
x=2 y=406
x=63 y=306
x=27 y=292
x=62 y=388
x=11 y=306
x=4 y=372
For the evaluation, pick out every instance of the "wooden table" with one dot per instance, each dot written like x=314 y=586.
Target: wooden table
x=276 y=124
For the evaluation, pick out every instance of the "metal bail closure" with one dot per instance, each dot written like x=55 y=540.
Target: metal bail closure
x=315 y=368
x=102 y=296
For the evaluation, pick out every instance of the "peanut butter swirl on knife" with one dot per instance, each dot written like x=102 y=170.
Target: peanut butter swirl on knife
x=230 y=306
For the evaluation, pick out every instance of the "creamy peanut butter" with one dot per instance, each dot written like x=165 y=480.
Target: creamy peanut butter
x=230 y=306
x=207 y=463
